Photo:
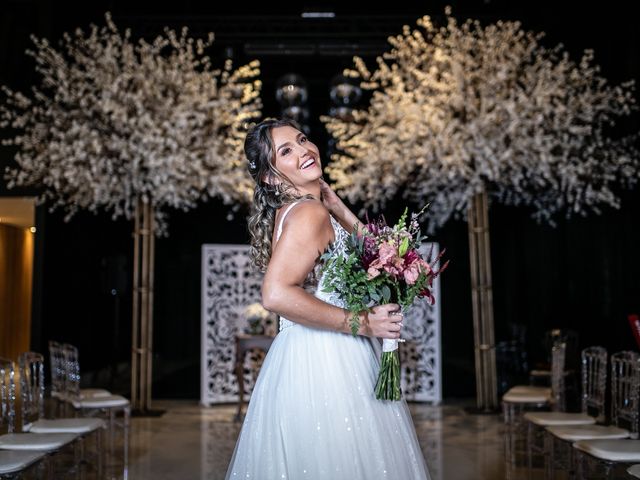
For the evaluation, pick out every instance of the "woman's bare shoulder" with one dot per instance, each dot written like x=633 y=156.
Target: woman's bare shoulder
x=310 y=212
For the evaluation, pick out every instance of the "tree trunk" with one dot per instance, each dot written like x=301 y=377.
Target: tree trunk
x=142 y=321
x=482 y=299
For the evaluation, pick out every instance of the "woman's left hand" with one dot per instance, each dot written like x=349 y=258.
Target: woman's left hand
x=329 y=198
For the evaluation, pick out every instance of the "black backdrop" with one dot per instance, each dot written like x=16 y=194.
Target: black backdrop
x=583 y=274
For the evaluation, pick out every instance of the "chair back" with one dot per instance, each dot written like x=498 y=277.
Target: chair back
x=31 y=387
x=72 y=371
x=7 y=396
x=558 y=376
x=594 y=382
x=56 y=363
x=625 y=390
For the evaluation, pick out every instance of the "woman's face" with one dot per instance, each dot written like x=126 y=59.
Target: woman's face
x=296 y=157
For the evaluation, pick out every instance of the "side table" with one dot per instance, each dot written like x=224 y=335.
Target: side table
x=244 y=343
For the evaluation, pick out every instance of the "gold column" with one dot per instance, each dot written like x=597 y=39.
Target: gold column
x=142 y=318
x=482 y=302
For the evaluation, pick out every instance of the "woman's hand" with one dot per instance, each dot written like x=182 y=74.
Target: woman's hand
x=330 y=199
x=382 y=321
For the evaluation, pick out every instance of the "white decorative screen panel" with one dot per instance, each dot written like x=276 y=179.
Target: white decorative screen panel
x=229 y=284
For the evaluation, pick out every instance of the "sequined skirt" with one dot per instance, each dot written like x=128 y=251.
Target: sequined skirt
x=313 y=414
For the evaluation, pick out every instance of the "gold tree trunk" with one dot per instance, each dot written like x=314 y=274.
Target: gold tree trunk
x=142 y=321
x=482 y=299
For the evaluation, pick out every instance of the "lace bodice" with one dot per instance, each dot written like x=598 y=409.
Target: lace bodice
x=314 y=281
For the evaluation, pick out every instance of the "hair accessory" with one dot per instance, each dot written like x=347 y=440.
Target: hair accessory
x=252 y=164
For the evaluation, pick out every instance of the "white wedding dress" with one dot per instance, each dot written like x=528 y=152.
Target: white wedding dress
x=313 y=412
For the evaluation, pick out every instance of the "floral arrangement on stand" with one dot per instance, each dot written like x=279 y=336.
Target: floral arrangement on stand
x=134 y=128
x=463 y=114
x=260 y=320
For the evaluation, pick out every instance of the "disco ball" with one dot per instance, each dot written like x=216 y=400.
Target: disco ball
x=344 y=90
x=291 y=89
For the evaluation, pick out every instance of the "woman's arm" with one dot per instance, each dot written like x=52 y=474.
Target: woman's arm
x=337 y=207
x=306 y=234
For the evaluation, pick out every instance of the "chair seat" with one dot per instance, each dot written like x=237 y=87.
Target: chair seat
x=634 y=470
x=612 y=450
x=544 y=419
x=12 y=461
x=101 y=402
x=526 y=388
x=587 y=432
x=94 y=392
x=527 y=394
x=65 y=425
x=35 y=441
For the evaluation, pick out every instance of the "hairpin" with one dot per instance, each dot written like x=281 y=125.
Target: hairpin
x=252 y=164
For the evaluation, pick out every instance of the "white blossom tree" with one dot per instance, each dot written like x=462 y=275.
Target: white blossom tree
x=133 y=128
x=116 y=120
x=462 y=114
x=465 y=108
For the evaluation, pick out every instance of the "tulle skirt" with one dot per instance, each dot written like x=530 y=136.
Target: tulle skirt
x=313 y=415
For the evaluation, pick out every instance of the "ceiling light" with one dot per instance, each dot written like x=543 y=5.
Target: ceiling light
x=318 y=15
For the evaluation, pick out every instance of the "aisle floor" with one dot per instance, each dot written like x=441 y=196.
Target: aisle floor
x=190 y=442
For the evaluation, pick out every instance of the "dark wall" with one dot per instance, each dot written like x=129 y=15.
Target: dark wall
x=581 y=274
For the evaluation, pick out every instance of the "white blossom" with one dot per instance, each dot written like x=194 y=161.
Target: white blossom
x=464 y=108
x=256 y=311
x=114 y=120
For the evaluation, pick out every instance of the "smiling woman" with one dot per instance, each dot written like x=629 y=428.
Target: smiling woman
x=268 y=148
x=313 y=413
x=298 y=159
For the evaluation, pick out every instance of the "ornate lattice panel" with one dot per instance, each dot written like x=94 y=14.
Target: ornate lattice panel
x=420 y=358
x=229 y=285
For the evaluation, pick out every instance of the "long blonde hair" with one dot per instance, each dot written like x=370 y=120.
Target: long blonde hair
x=267 y=197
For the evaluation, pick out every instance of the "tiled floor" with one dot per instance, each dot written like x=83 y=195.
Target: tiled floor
x=190 y=442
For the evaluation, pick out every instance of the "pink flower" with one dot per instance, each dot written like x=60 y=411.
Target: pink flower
x=386 y=256
x=372 y=273
x=387 y=252
x=412 y=273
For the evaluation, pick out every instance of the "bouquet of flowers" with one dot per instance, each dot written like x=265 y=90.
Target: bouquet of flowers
x=382 y=264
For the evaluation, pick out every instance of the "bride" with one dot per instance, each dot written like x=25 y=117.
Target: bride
x=313 y=413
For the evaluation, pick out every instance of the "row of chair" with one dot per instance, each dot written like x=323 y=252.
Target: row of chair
x=39 y=439
x=584 y=435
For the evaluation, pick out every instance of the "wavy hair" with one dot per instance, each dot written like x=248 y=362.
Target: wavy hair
x=267 y=197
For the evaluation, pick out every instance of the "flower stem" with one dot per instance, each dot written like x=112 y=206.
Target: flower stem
x=388 y=384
